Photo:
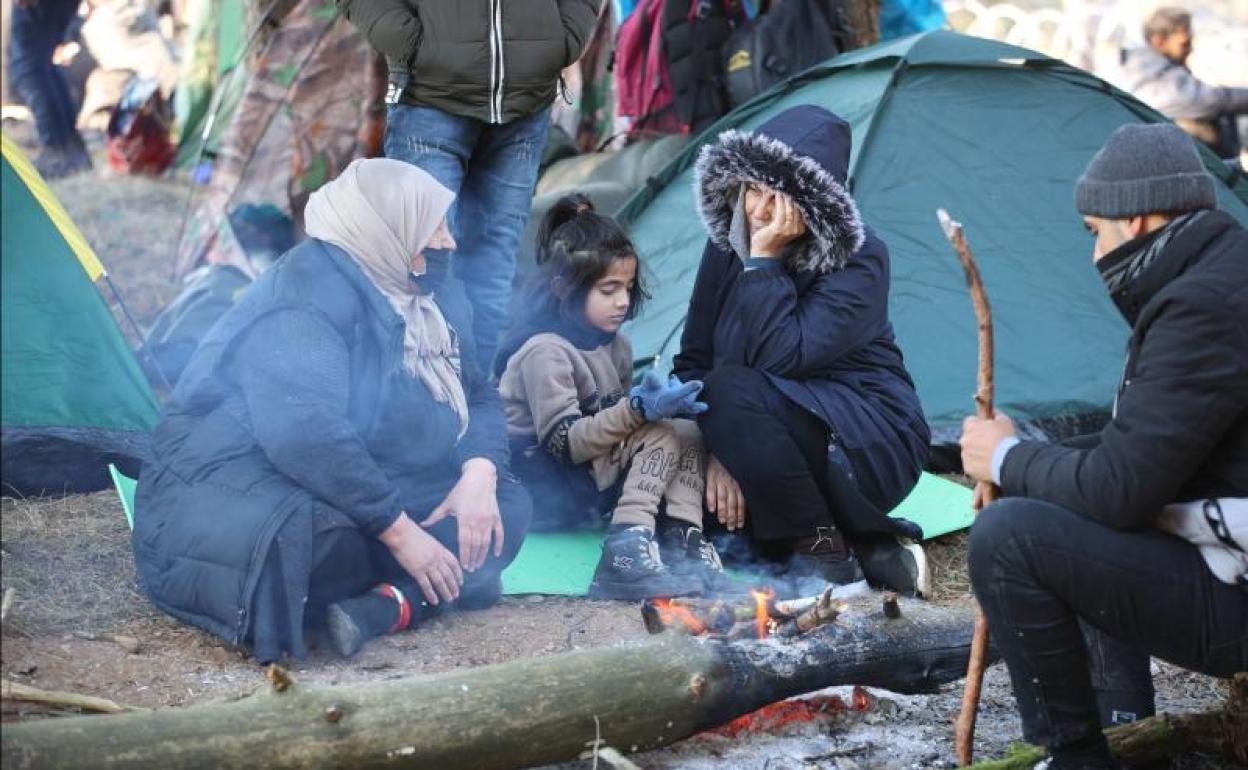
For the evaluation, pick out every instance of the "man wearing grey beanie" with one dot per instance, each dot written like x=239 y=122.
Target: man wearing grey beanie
x=1132 y=541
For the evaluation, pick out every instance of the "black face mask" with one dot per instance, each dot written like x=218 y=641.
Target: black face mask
x=437 y=268
x=1139 y=268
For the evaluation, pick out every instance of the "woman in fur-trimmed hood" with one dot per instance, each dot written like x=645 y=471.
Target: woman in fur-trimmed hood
x=814 y=425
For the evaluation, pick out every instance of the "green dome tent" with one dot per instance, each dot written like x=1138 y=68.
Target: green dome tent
x=995 y=134
x=73 y=397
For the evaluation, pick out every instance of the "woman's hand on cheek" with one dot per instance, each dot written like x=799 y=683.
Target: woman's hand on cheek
x=786 y=226
x=723 y=495
x=474 y=504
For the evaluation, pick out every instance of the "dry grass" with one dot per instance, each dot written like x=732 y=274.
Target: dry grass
x=68 y=561
x=946 y=556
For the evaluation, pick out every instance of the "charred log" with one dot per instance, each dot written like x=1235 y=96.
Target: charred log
x=516 y=714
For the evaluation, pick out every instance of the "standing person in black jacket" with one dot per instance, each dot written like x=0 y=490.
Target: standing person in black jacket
x=331 y=456
x=1139 y=532
x=471 y=84
x=814 y=428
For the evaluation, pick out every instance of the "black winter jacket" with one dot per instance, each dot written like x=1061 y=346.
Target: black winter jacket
x=493 y=60
x=1180 y=426
x=817 y=325
x=296 y=402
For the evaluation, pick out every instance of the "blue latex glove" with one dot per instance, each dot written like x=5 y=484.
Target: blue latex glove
x=658 y=401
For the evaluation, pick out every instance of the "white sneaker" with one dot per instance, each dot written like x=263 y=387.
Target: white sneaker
x=923 y=578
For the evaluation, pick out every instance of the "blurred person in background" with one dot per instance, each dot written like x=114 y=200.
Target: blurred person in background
x=38 y=27
x=125 y=40
x=1157 y=73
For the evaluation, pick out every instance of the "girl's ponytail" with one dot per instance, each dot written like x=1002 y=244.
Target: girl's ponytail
x=565 y=210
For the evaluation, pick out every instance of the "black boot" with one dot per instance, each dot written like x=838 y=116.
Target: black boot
x=896 y=564
x=79 y=155
x=56 y=162
x=824 y=555
x=631 y=568
x=356 y=621
x=687 y=552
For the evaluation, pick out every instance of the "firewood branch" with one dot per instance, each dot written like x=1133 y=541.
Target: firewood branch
x=15 y=691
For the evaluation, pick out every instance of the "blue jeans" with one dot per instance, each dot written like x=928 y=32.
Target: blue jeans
x=36 y=32
x=492 y=169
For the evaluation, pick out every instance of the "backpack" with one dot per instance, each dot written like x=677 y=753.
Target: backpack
x=790 y=37
x=208 y=293
x=667 y=72
x=695 y=35
x=138 y=130
x=642 y=85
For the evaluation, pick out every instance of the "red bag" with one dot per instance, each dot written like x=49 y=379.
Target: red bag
x=138 y=131
x=643 y=85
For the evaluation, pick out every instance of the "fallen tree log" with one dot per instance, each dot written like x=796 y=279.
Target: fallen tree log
x=528 y=712
x=1222 y=733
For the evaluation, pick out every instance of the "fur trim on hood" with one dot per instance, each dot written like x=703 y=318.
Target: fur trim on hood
x=831 y=215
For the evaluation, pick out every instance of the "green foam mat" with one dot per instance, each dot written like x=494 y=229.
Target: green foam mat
x=554 y=563
x=563 y=563
x=125 y=490
x=938 y=505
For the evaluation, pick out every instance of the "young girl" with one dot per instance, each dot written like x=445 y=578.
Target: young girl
x=577 y=430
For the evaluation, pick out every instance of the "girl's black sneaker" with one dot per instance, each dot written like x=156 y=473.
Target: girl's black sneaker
x=632 y=569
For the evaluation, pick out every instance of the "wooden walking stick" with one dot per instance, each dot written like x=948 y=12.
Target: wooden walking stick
x=986 y=491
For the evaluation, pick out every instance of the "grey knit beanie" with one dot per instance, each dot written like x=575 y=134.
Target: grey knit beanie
x=1145 y=169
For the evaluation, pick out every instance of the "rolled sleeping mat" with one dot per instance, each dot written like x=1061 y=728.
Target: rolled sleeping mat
x=636 y=163
x=568 y=174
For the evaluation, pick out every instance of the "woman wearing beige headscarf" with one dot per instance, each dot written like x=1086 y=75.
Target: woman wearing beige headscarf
x=332 y=457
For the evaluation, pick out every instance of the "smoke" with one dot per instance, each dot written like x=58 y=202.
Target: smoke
x=761 y=565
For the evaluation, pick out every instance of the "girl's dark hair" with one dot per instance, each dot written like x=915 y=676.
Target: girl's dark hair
x=576 y=246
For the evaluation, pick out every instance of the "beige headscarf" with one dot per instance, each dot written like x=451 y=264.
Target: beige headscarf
x=381 y=212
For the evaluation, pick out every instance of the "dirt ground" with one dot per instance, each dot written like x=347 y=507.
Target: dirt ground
x=67 y=561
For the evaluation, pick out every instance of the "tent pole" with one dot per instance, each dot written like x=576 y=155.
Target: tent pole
x=210 y=121
x=138 y=331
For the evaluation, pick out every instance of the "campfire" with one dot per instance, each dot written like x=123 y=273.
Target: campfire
x=759 y=617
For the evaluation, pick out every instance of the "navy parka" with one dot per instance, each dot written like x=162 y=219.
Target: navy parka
x=294 y=416
x=817 y=325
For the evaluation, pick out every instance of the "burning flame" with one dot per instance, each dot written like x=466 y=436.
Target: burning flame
x=762 y=617
x=673 y=612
